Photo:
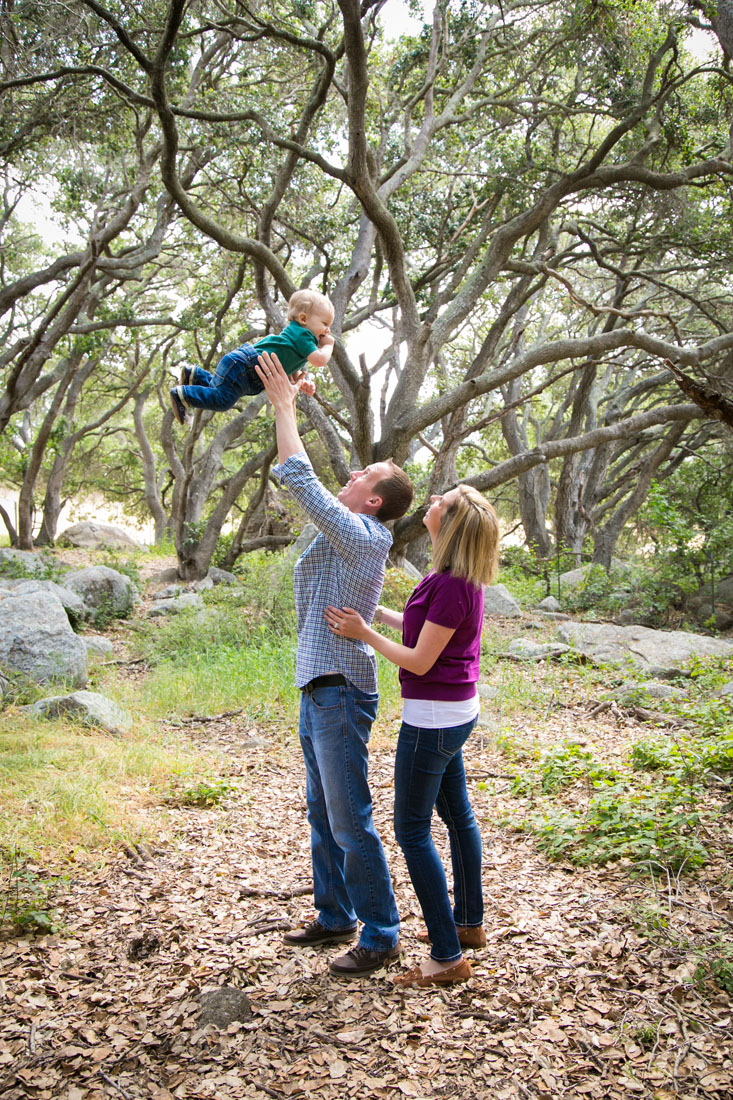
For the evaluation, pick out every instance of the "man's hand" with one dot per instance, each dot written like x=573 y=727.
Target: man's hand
x=282 y=392
x=280 y=389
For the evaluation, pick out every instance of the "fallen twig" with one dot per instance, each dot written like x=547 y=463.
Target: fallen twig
x=114 y=1084
x=201 y=719
x=255 y=892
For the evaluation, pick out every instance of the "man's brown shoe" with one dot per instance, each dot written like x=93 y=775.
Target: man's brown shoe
x=361 y=960
x=469 y=935
x=310 y=935
x=461 y=972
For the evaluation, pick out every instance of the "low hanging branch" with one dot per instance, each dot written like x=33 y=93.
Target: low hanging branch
x=709 y=400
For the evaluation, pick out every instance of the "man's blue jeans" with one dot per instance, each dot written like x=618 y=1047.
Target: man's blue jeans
x=429 y=774
x=350 y=875
x=235 y=377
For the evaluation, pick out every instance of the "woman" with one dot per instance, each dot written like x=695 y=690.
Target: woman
x=439 y=668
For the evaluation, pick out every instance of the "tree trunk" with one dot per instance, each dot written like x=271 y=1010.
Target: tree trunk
x=162 y=522
x=606 y=537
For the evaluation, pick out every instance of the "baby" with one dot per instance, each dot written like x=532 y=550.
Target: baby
x=305 y=339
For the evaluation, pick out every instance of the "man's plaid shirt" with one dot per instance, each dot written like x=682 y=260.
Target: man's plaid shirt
x=343 y=566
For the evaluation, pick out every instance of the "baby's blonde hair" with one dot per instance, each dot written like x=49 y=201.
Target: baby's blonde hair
x=305 y=301
x=467 y=544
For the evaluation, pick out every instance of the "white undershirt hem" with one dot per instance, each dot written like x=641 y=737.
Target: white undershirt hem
x=433 y=714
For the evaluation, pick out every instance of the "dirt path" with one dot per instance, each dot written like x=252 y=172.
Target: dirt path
x=569 y=998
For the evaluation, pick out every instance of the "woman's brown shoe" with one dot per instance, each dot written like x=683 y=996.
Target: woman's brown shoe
x=468 y=936
x=461 y=972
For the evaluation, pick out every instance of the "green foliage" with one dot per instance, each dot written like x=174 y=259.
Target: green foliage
x=561 y=766
x=204 y=794
x=128 y=566
x=238 y=651
x=715 y=963
x=26 y=901
x=398 y=588
x=654 y=809
x=653 y=826
x=524 y=574
x=45 y=568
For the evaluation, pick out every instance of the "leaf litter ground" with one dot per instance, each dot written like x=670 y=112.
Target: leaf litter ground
x=570 y=998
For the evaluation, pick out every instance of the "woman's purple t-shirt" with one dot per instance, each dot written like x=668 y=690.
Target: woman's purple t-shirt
x=445 y=600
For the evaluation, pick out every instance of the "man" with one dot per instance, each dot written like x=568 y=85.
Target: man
x=344 y=566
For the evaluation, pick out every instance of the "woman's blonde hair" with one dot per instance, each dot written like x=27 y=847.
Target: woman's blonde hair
x=305 y=301
x=467 y=544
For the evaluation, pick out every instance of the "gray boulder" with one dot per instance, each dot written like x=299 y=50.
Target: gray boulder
x=223 y=1006
x=21 y=560
x=36 y=639
x=549 y=604
x=88 y=707
x=498 y=600
x=221 y=576
x=97 y=645
x=89 y=534
x=651 y=688
x=174 y=605
x=659 y=652
x=75 y=607
x=521 y=649
x=303 y=541
x=105 y=591
x=574 y=578
x=411 y=570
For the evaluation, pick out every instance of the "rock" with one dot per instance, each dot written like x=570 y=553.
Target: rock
x=202 y=585
x=659 y=652
x=303 y=541
x=630 y=691
x=222 y=576
x=574 y=578
x=523 y=650
x=74 y=605
x=553 y=616
x=105 y=591
x=36 y=639
x=223 y=1006
x=90 y=534
x=549 y=604
x=725 y=691
x=142 y=945
x=721 y=617
x=170 y=592
x=176 y=605
x=487 y=691
x=411 y=570
x=498 y=600
x=97 y=645
x=88 y=707
x=170 y=577
x=164 y=576
x=20 y=562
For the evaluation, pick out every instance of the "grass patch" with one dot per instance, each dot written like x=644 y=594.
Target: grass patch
x=64 y=788
x=658 y=807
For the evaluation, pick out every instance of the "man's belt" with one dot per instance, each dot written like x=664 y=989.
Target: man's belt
x=331 y=679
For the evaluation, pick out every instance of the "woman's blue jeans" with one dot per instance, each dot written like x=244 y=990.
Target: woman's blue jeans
x=350 y=875
x=429 y=774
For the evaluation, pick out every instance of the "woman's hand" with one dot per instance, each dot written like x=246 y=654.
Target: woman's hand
x=345 y=622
